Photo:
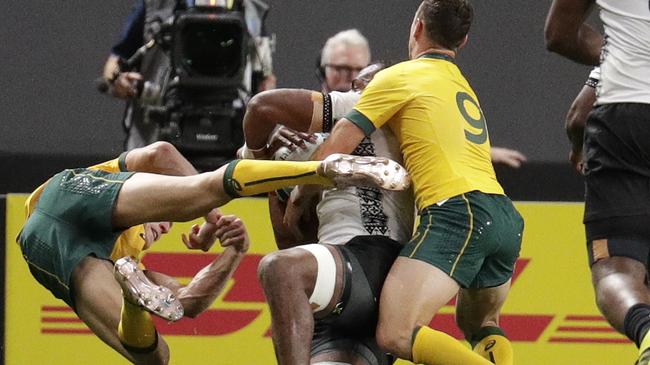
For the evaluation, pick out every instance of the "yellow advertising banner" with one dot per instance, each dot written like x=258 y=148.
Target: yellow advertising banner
x=550 y=315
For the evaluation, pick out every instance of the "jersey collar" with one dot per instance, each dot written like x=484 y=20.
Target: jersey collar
x=438 y=56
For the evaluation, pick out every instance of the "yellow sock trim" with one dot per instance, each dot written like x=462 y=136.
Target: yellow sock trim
x=136 y=328
x=433 y=347
x=250 y=177
x=495 y=348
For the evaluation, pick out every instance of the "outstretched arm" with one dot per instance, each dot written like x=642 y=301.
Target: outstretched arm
x=506 y=156
x=566 y=32
x=199 y=294
x=293 y=108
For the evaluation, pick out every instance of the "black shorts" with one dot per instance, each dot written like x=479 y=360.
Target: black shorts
x=634 y=248
x=351 y=325
x=617 y=171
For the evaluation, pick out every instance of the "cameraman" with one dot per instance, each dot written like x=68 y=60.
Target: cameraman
x=130 y=64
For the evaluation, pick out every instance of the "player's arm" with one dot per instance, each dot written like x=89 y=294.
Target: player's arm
x=576 y=120
x=566 y=32
x=345 y=137
x=199 y=294
x=508 y=157
x=293 y=108
x=158 y=158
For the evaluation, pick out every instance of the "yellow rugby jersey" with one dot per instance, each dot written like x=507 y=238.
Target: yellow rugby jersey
x=131 y=241
x=438 y=121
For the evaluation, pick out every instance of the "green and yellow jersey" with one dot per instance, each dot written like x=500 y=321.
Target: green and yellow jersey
x=438 y=121
x=130 y=242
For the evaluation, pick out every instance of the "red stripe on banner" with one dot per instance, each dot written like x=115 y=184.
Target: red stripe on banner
x=216 y=322
x=521 y=328
x=66 y=331
x=588 y=340
x=584 y=318
x=246 y=289
x=51 y=308
x=60 y=320
x=585 y=329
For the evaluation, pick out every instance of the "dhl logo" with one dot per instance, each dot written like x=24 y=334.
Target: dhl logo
x=572 y=328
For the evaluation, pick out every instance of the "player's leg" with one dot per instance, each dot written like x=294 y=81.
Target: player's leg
x=150 y=198
x=347 y=333
x=620 y=284
x=446 y=253
x=616 y=216
x=339 y=284
x=99 y=303
x=414 y=291
x=303 y=279
x=479 y=305
x=477 y=315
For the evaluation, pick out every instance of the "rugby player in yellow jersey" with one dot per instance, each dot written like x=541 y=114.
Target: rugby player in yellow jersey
x=81 y=220
x=469 y=235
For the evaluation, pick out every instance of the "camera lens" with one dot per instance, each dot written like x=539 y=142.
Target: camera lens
x=212 y=49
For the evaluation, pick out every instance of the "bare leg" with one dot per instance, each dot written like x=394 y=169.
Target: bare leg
x=288 y=278
x=413 y=293
x=152 y=198
x=98 y=301
x=477 y=315
x=619 y=283
x=477 y=308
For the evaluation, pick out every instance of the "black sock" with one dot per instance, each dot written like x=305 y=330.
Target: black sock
x=637 y=322
x=483 y=333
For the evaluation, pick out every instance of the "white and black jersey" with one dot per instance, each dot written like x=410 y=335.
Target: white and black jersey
x=353 y=211
x=625 y=58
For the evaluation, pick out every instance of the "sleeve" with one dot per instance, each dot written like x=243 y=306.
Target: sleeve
x=384 y=96
x=132 y=36
x=343 y=103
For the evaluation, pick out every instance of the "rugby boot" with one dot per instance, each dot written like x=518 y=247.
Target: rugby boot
x=140 y=291
x=380 y=172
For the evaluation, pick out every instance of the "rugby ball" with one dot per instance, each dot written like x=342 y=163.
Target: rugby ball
x=300 y=154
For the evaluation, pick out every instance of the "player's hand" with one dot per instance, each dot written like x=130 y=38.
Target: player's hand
x=204 y=236
x=232 y=232
x=508 y=157
x=289 y=138
x=576 y=160
x=298 y=208
x=125 y=85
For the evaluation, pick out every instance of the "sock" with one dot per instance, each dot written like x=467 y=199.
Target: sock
x=250 y=177
x=136 y=330
x=433 y=347
x=637 y=324
x=492 y=344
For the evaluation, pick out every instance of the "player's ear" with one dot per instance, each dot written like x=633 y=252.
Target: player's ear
x=463 y=42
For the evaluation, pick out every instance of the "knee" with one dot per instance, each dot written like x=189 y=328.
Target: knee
x=159 y=154
x=395 y=340
x=275 y=268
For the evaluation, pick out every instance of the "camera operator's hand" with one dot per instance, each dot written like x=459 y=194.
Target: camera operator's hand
x=125 y=85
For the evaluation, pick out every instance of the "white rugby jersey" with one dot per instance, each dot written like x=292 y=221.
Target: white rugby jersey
x=353 y=211
x=625 y=59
